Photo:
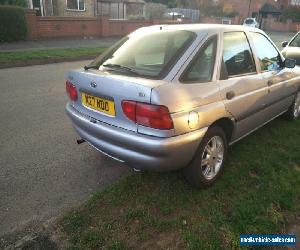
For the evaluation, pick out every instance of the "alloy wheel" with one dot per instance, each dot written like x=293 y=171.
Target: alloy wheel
x=297 y=105
x=212 y=157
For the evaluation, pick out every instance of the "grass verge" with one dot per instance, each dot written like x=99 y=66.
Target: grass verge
x=258 y=193
x=49 y=54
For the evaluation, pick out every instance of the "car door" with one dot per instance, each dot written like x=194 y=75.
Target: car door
x=279 y=79
x=243 y=90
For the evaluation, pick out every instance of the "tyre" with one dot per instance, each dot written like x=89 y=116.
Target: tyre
x=294 y=111
x=208 y=161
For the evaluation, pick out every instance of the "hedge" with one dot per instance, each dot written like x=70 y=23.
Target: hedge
x=12 y=23
x=21 y=3
x=292 y=13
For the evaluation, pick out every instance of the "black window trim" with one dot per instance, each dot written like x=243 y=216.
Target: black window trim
x=281 y=61
x=191 y=63
x=223 y=70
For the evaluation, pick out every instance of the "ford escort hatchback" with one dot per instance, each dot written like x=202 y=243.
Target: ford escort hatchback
x=171 y=97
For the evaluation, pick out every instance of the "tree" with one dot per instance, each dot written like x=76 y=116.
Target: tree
x=214 y=8
x=192 y=4
x=292 y=13
x=169 y=3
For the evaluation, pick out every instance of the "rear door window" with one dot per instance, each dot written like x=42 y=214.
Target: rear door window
x=237 y=55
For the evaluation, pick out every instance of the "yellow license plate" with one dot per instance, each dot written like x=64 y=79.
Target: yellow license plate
x=98 y=104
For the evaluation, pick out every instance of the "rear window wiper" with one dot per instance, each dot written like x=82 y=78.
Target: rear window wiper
x=121 y=67
x=87 y=67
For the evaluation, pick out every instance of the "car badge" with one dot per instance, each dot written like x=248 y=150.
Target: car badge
x=93 y=84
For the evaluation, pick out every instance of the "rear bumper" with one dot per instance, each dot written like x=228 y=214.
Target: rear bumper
x=137 y=150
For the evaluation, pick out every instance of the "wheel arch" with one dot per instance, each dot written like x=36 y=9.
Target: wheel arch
x=227 y=124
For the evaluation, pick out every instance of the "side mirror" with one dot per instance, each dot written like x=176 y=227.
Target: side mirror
x=289 y=63
x=284 y=44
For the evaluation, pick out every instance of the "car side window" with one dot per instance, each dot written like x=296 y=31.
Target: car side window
x=269 y=57
x=202 y=66
x=237 y=55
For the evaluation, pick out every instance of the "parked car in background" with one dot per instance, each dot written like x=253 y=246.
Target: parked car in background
x=174 y=16
x=251 y=22
x=292 y=48
x=172 y=97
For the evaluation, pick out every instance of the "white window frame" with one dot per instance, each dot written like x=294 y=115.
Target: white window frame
x=295 y=2
x=226 y=21
x=77 y=6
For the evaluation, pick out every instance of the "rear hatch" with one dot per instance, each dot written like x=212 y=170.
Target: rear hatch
x=107 y=91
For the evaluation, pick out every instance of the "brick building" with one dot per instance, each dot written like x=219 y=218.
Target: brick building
x=115 y=9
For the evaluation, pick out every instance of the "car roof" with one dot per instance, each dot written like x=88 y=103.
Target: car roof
x=197 y=28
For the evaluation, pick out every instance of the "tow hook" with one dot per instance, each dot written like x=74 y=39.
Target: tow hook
x=80 y=141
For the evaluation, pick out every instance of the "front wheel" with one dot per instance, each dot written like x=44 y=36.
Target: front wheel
x=208 y=161
x=294 y=111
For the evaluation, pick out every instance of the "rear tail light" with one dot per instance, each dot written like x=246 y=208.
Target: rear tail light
x=129 y=109
x=71 y=90
x=149 y=115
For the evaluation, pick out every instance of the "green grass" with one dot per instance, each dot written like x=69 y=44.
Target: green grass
x=48 y=54
x=258 y=193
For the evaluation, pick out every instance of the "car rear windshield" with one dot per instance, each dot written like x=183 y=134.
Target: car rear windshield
x=148 y=55
x=249 y=21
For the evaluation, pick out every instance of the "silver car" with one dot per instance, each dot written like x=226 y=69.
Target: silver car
x=171 y=97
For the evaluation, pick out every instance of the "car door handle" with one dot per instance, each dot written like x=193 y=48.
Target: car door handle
x=270 y=83
x=230 y=95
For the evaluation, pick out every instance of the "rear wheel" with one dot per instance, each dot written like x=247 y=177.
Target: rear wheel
x=208 y=161
x=294 y=111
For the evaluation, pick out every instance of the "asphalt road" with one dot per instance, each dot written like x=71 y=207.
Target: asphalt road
x=279 y=37
x=42 y=169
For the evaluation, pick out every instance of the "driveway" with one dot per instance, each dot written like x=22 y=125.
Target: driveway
x=43 y=171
